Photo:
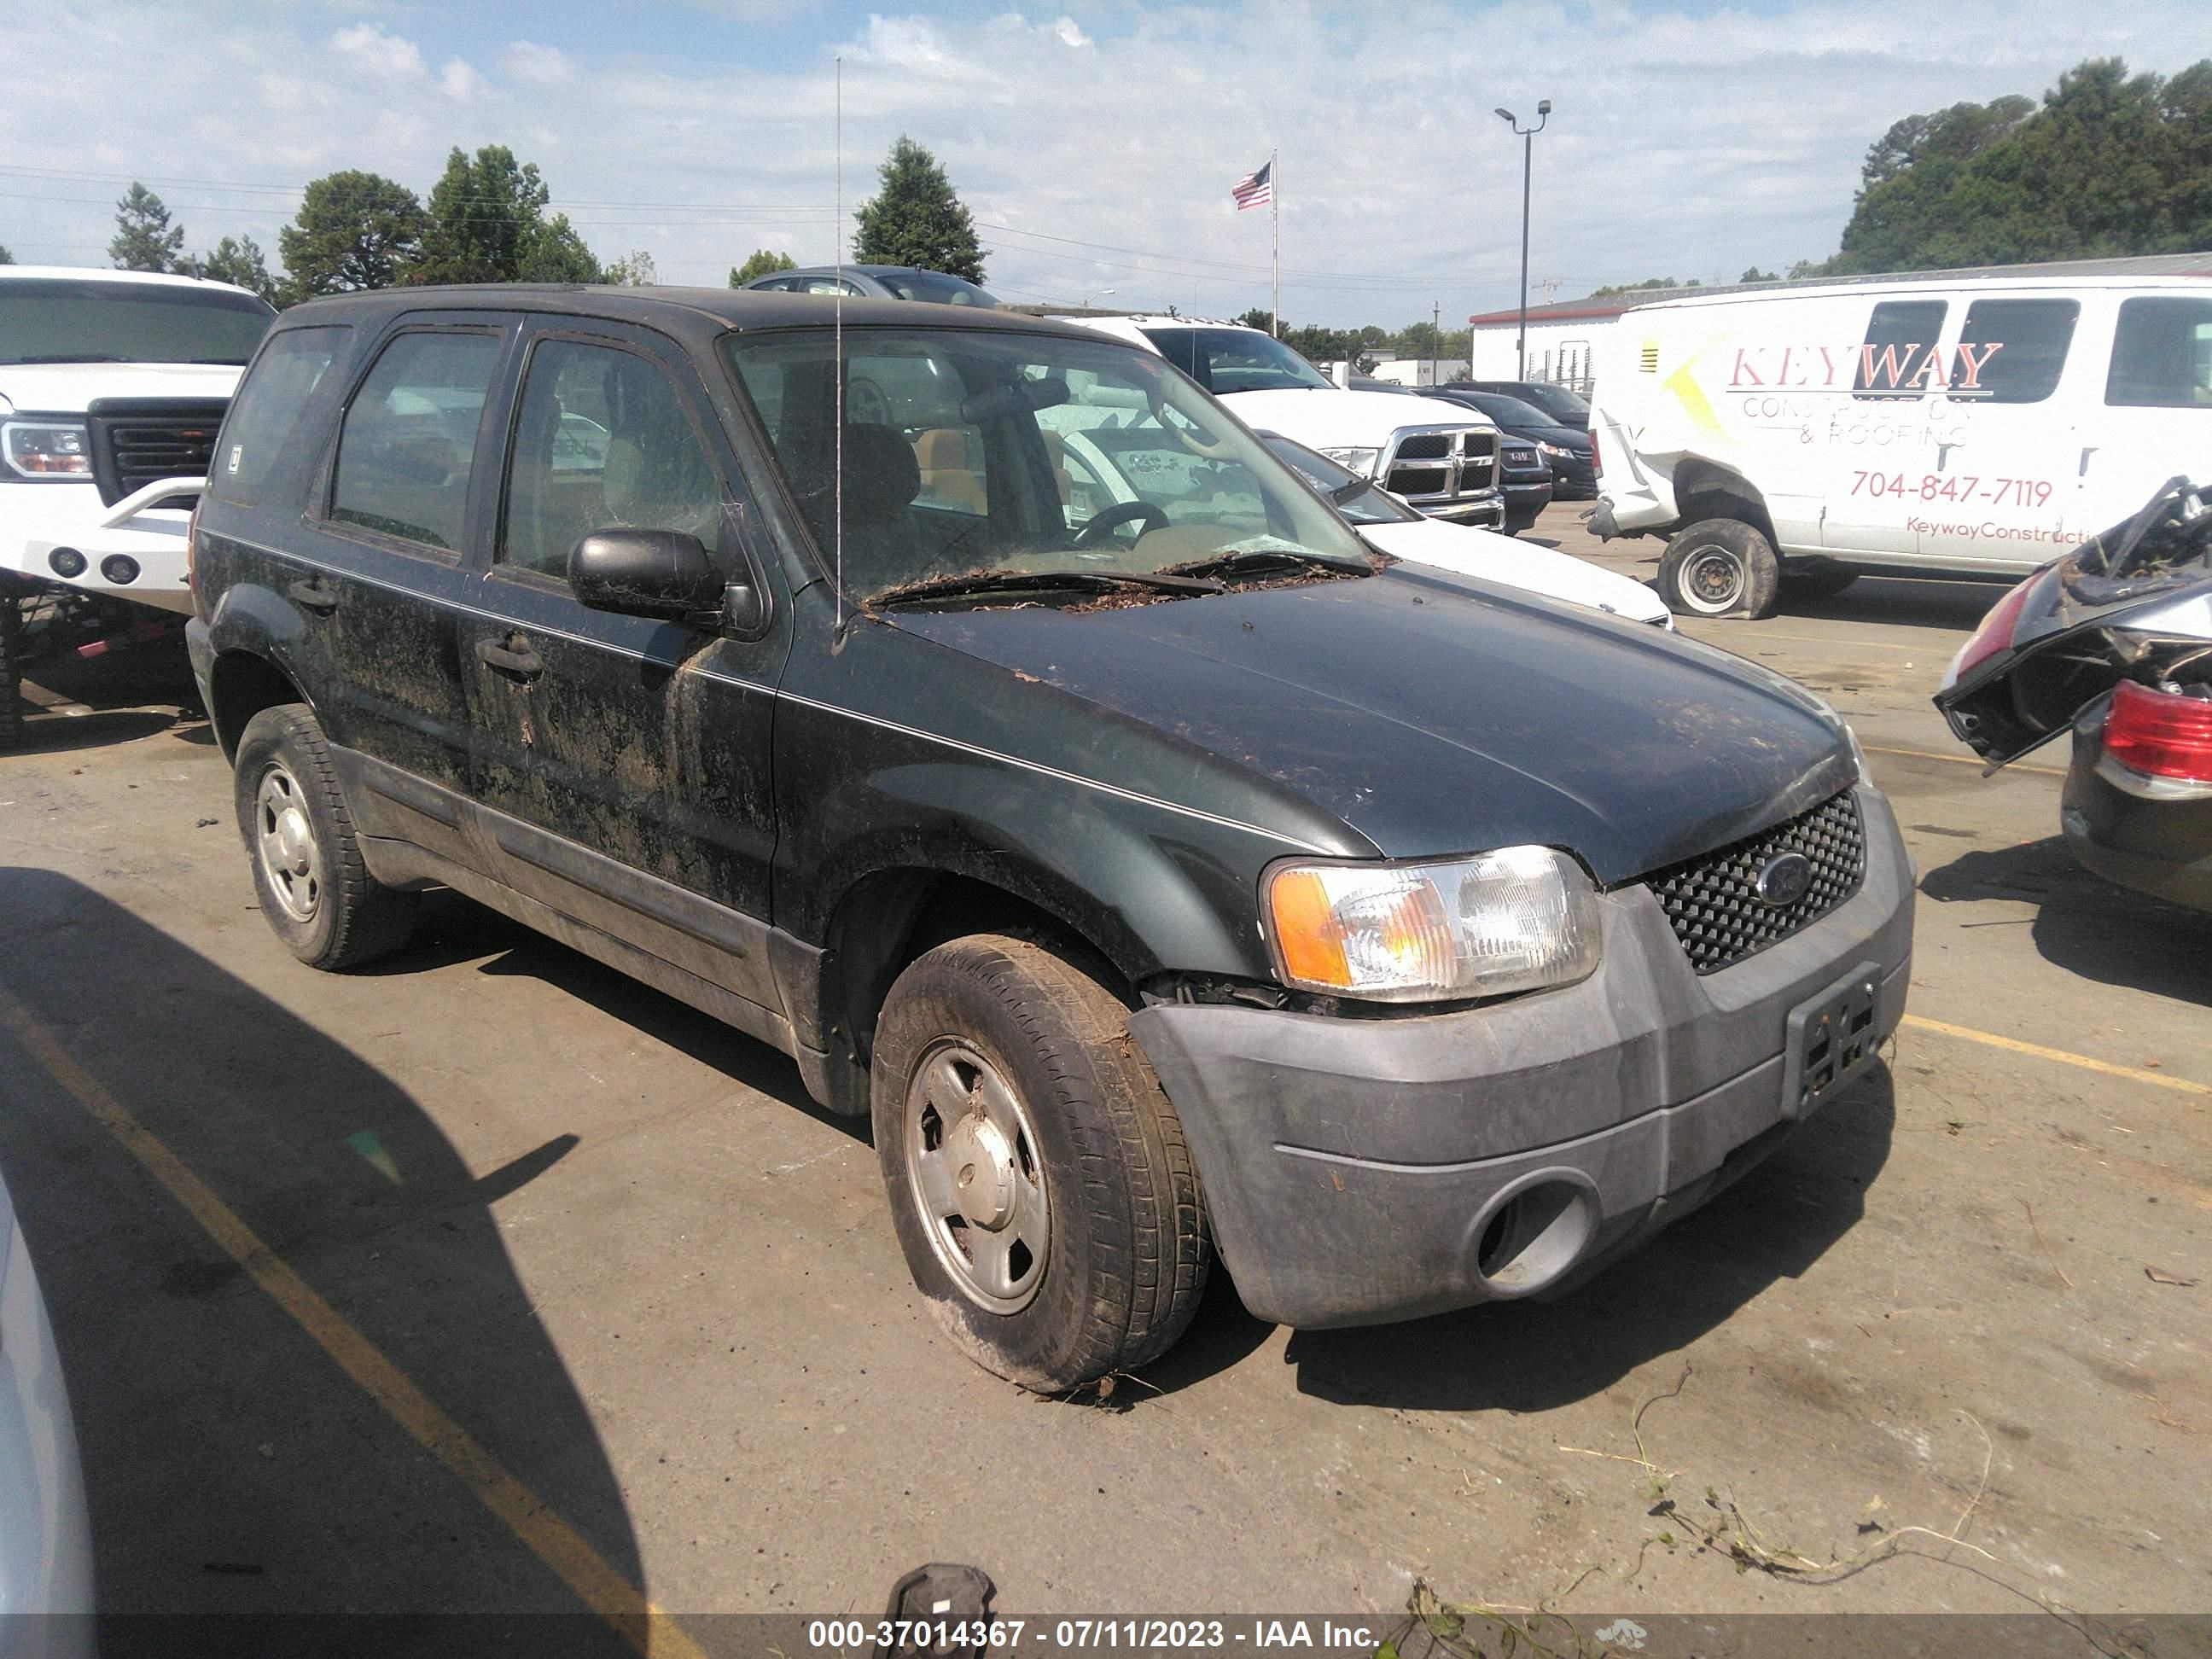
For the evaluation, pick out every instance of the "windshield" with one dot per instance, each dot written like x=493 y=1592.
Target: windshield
x=1359 y=499
x=1226 y=360
x=933 y=285
x=71 y=320
x=972 y=452
x=1562 y=405
x=1511 y=411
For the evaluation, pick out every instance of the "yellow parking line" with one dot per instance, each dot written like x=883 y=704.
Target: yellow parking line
x=2133 y=1073
x=605 y=1591
x=1958 y=760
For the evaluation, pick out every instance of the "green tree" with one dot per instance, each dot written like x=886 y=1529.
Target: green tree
x=636 y=270
x=556 y=254
x=760 y=263
x=2109 y=164
x=144 y=239
x=916 y=220
x=1754 y=274
x=237 y=260
x=1616 y=290
x=482 y=220
x=1257 y=318
x=354 y=230
x=6 y=257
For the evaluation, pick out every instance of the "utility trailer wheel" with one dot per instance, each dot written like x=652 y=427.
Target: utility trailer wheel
x=1039 y=1181
x=1719 y=568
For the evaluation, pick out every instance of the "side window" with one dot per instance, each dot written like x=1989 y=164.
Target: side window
x=409 y=442
x=602 y=443
x=266 y=410
x=2011 y=351
x=2162 y=354
x=1900 y=338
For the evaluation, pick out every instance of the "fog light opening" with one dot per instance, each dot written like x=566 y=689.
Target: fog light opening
x=120 y=568
x=1534 y=1238
x=66 y=561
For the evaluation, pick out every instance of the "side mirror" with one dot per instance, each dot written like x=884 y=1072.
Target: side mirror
x=663 y=573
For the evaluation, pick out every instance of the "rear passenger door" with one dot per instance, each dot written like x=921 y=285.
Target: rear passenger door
x=2151 y=414
x=380 y=562
x=628 y=757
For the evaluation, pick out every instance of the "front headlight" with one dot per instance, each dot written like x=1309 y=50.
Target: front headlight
x=47 y=449
x=1513 y=919
x=1362 y=461
x=1858 y=757
x=1557 y=452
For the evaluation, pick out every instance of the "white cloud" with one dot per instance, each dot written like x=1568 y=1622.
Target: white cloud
x=526 y=60
x=384 y=54
x=1680 y=145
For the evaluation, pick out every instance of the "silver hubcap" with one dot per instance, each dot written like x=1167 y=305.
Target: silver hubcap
x=973 y=1162
x=285 y=840
x=1712 y=580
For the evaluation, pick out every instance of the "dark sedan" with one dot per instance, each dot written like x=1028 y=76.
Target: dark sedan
x=1567 y=407
x=1567 y=449
x=876 y=282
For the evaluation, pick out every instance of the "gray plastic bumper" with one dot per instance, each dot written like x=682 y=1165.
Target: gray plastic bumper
x=1363 y=1170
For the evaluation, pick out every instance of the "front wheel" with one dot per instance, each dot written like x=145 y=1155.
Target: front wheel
x=1039 y=1182
x=308 y=873
x=1720 y=568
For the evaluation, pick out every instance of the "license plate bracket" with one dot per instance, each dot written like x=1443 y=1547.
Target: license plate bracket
x=1831 y=1039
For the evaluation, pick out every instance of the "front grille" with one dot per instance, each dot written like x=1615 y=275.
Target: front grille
x=1419 y=481
x=137 y=440
x=1712 y=901
x=1424 y=446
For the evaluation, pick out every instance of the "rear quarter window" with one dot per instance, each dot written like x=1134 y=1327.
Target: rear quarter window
x=408 y=447
x=2161 y=354
x=265 y=417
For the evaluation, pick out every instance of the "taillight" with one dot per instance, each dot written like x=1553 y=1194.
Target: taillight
x=2160 y=734
x=1992 y=636
x=1597 y=465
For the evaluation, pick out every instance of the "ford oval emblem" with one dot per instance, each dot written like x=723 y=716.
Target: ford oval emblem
x=1783 y=880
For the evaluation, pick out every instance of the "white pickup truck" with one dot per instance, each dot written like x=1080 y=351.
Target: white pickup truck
x=1440 y=458
x=112 y=385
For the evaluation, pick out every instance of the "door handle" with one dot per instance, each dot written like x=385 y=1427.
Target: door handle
x=314 y=594
x=511 y=655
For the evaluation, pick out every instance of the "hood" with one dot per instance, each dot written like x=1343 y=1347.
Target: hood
x=1331 y=419
x=1493 y=557
x=2127 y=604
x=70 y=388
x=1435 y=715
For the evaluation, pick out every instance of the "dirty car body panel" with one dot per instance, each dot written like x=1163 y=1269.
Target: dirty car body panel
x=767 y=820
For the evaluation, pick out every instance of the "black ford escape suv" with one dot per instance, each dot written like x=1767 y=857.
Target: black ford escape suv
x=972 y=708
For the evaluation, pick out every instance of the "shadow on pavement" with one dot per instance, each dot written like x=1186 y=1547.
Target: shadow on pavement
x=2086 y=925
x=231 y=1465
x=1905 y=603
x=1529 y=1357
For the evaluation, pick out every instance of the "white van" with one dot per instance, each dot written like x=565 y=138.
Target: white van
x=1791 y=440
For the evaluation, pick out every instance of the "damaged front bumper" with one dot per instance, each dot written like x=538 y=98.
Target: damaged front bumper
x=1359 y=1171
x=62 y=535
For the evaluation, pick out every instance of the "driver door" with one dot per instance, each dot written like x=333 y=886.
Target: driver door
x=628 y=757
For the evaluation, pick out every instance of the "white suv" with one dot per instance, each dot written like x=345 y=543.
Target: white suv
x=112 y=384
x=1444 y=463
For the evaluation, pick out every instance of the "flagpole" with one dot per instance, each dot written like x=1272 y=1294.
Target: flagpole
x=1275 y=212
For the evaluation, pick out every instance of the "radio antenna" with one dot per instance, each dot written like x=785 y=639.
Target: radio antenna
x=837 y=347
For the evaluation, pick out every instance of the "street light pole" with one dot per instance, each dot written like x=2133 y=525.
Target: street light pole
x=1527 y=137
x=1102 y=293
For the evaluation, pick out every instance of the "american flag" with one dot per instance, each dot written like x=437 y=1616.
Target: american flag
x=1255 y=189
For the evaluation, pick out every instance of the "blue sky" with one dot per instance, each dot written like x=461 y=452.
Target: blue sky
x=1095 y=143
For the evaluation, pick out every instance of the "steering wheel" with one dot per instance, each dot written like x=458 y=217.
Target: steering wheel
x=1103 y=524
x=1184 y=433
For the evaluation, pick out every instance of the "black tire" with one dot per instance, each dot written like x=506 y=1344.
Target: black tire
x=1127 y=1249
x=11 y=669
x=1720 y=568
x=1820 y=582
x=329 y=912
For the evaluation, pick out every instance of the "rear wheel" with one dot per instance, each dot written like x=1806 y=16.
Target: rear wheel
x=1719 y=568
x=1039 y=1181
x=307 y=869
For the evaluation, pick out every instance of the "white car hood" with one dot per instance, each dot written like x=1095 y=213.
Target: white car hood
x=1470 y=552
x=67 y=388
x=1335 y=419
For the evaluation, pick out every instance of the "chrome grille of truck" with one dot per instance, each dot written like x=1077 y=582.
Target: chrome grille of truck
x=1712 y=901
x=1440 y=468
